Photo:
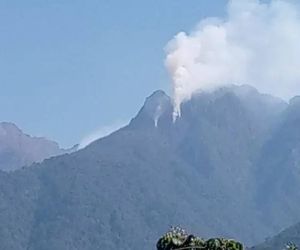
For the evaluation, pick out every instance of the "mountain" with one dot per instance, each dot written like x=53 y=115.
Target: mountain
x=278 y=242
x=204 y=171
x=18 y=149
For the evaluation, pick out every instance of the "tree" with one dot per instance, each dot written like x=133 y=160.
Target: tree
x=177 y=238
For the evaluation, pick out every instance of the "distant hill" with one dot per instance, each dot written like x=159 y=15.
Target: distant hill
x=18 y=149
x=207 y=171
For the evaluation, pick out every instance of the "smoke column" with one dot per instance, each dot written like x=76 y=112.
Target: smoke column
x=256 y=44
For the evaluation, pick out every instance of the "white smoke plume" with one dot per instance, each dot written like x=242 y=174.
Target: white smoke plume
x=256 y=44
x=100 y=133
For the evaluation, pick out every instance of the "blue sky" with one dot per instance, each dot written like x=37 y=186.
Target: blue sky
x=69 y=67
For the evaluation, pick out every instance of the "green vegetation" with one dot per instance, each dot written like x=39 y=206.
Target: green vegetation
x=291 y=246
x=177 y=238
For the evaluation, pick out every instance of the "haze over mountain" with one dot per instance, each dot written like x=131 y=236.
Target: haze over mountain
x=206 y=172
x=18 y=149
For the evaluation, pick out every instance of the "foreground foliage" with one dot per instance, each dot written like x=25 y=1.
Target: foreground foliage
x=177 y=238
x=291 y=246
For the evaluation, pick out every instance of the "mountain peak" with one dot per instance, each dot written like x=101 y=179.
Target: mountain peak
x=155 y=106
x=156 y=98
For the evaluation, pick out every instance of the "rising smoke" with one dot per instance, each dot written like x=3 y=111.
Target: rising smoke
x=256 y=44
